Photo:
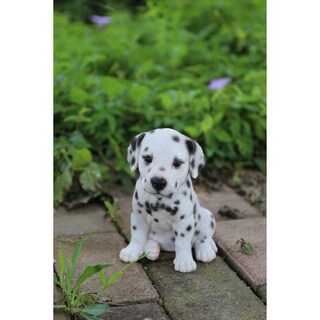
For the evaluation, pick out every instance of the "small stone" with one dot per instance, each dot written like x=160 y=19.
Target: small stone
x=231 y=213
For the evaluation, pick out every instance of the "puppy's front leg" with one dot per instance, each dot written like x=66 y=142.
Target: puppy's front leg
x=184 y=261
x=139 y=235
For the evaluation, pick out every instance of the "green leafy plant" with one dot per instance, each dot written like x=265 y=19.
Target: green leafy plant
x=77 y=302
x=151 y=68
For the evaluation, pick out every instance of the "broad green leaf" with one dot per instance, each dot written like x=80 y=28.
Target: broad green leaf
x=88 y=181
x=112 y=86
x=192 y=131
x=217 y=118
x=81 y=158
x=95 y=309
x=138 y=93
x=78 y=95
x=206 y=123
x=78 y=140
x=245 y=146
x=62 y=184
x=166 y=101
x=222 y=135
x=89 y=272
x=235 y=128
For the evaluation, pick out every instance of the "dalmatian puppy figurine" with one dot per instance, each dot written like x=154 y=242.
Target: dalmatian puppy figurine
x=166 y=212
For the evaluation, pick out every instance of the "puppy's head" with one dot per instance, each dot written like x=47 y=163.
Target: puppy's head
x=165 y=158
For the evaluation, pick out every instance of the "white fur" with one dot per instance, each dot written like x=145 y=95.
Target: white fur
x=166 y=212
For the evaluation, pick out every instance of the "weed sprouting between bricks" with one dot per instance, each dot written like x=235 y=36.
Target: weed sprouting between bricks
x=75 y=302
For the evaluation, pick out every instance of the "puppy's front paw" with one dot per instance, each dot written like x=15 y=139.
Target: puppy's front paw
x=130 y=254
x=185 y=264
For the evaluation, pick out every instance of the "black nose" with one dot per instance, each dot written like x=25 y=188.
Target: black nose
x=158 y=183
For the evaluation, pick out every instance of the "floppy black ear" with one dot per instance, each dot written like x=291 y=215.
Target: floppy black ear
x=134 y=150
x=197 y=159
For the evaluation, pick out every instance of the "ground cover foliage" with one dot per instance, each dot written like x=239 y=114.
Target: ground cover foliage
x=150 y=67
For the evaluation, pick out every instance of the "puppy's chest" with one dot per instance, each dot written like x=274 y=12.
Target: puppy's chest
x=161 y=215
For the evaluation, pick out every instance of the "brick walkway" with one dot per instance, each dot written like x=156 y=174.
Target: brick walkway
x=233 y=286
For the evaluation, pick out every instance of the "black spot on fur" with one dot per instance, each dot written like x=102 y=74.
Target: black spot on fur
x=162 y=169
x=149 y=211
x=176 y=233
x=136 y=195
x=182 y=234
x=191 y=146
x=202 y=241
x=184 y=193
x=176 y=184
x=170 y=195
x=175 y=138
x=134 y=227
x=140 y=138
x=190 y=197
x=153 y=232
x=200 y=167
x=196 y=233
x=133 y=161
x=211 y=224
x=182 y=216
x=189 y=227
x=195 y=224
x=199 y=217
x=188 y=183
x=174 y=211
x=162 y=206
x=155 y=207
x=194 y=209
x=140 y=204
x=156 y=220
x=168 y=209
x=192 y=164
x=177 y=202
x=146 y=148
x=134 y=144
x=173 y=238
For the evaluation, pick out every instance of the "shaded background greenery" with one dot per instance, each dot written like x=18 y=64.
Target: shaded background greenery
x=149 y=68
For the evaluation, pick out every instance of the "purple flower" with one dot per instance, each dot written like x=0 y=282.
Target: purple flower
x=100 y=21
x=217 y=84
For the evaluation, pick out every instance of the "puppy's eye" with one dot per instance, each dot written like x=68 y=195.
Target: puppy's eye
x=147 y=159
x=177 y=163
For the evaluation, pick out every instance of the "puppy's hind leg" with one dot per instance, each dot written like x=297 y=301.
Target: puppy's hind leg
x=152 y=249
x=205 y=246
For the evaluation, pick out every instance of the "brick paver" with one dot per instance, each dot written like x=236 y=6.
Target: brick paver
x=212 y=292
x=251 y=268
